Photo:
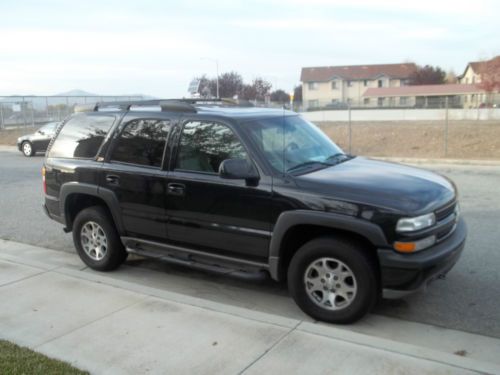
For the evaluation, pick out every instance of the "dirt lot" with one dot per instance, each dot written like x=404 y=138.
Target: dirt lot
x=420 y=139
x=9 y=137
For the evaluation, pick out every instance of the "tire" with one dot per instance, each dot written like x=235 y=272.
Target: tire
x=96 y=239
x=347 y=273
x=27 y=149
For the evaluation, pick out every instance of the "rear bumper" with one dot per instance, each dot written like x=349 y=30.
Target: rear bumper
x=403 y=274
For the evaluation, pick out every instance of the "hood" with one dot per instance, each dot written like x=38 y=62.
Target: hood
x=381 y=184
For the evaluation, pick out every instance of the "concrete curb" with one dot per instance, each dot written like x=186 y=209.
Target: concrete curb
x=305 y=325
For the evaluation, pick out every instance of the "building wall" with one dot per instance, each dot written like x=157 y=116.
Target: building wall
x=344 y=91
x=470 y=76
x=402 y=115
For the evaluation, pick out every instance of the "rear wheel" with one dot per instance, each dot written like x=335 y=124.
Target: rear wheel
x=27 y=149
x=96 y=239
x=333 y=280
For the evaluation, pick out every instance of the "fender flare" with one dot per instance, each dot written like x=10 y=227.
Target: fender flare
x=108 y=196
x=289 y=219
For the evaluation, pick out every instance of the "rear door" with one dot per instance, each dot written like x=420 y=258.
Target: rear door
x=133 y=171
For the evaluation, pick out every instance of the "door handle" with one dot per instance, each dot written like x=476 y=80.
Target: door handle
x=176 y=189
x=112 y=179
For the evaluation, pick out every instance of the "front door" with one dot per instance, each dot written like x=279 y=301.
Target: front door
x=211 y=213
x=133 y=171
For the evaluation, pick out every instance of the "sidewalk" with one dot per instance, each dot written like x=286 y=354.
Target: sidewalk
x=107 y=324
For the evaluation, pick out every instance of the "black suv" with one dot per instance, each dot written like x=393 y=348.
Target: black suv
x=220 y=186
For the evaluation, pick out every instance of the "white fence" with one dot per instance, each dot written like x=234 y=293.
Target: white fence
x=402 y=114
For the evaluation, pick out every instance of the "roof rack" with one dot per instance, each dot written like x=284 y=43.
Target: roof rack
x=167 y=105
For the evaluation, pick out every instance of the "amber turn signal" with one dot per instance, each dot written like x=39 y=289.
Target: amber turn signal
x=405 y=247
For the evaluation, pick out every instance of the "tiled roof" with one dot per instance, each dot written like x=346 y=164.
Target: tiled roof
x=357 y=72
x=423 y=90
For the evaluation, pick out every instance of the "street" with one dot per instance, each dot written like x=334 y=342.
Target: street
x=468 y=299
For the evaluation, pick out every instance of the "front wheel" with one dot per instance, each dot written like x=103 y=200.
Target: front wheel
x=333 y=280
x=27 y=149
x=96 y=239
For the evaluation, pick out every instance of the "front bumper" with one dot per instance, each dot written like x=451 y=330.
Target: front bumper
x=403 y=274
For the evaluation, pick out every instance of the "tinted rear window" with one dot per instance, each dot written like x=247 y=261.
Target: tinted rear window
x=81 y=136
x=142 y=142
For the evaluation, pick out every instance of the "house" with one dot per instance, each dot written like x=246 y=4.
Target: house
x=474 y=70
x=426 y=96
x=337 y=86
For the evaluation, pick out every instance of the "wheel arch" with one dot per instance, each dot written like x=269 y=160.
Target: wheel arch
x=77 y=196
x=295 y=228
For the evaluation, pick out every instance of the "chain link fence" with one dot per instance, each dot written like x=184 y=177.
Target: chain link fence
x=25 y=111
x=444 y=130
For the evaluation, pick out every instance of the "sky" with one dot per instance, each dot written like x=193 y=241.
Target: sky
x=157 y=47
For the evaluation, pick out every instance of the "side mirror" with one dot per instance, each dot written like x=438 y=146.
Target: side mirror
x=238 y=169
x=41 y=132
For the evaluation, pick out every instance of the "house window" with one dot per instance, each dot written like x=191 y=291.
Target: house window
x=366 y=101
x=312 y=85
x=334 y=85
x=473 y=80
x=349 y=101
x=380 y=102
x=349 y=83
x=403 y=100
x=365 y=82
x=313 y=103
x=380 y=83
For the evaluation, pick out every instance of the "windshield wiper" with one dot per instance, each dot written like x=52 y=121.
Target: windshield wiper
x=308 y=163
x=336 y=156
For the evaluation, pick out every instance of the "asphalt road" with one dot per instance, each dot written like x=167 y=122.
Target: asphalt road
x=468 y=299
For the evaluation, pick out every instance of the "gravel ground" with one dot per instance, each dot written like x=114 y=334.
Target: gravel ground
x=468 y=299
x=421 y=139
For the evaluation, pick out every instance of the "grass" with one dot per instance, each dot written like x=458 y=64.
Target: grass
x=16 y=360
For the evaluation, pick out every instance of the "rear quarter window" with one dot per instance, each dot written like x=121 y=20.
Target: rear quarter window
x=81 y=136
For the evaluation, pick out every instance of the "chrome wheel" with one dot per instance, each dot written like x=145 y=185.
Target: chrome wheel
x=94 y=241
x=27 y=149
x=330 y=284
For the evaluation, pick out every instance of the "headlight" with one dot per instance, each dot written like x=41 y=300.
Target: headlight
x=410 y=224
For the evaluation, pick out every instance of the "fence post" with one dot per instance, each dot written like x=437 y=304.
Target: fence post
x=350 y=127
x=2 y=125
x=446 y=128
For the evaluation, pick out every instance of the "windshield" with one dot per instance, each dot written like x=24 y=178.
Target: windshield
x=48 y=128
x=302 y=146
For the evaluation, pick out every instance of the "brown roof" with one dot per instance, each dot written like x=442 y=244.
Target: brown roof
x=478 y=66
x=357 y=72
x=423 y=90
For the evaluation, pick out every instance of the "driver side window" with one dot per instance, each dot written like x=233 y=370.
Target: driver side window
x=205 y=144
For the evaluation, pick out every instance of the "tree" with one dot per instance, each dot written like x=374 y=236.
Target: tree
x=428 y=75
x=451 y=77
x=489 y=72
x=257 y=90
x=297 y=94
x=280 y=96
x=230 y=84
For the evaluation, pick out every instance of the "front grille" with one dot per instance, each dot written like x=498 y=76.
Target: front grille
x=446 y=216
x=445 y=211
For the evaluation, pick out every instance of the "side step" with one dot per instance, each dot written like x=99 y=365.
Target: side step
x=196 y=259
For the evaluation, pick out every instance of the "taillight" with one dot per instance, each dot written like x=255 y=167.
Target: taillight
x=43 y=181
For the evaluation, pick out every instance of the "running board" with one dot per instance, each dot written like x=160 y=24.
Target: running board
x=197 y=259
